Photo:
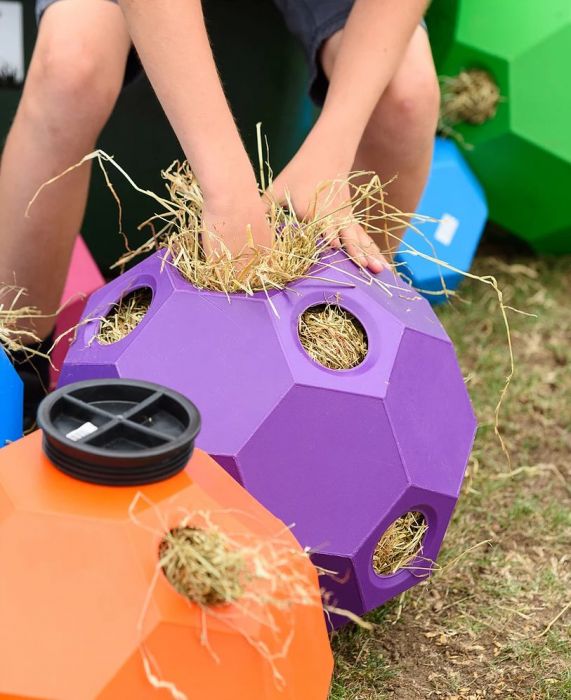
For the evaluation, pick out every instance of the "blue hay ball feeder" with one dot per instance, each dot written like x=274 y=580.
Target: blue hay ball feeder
x=454 y=197
x=11 y=401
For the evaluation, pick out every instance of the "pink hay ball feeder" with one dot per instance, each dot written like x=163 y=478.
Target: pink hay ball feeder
x=82 y=280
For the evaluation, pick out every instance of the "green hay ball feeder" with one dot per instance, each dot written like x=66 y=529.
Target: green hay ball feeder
x=519 y=147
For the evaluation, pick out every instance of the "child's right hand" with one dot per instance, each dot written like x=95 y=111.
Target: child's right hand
x=236 y=221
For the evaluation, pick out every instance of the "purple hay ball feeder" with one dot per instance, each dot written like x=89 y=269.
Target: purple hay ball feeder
x=339 y=455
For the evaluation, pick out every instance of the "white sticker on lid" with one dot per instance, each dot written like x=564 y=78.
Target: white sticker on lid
x=12 y=41
x=446 y=229
x=81 y=432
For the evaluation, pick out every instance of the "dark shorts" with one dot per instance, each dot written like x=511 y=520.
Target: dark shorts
x=311 y=21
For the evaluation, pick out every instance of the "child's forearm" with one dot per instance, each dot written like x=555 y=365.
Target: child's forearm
x=374 y=40
x=172 y=42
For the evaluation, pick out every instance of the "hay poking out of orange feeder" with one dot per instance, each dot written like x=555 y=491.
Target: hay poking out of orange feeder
x=248 y=583
x=202 y=566
x=147 y=636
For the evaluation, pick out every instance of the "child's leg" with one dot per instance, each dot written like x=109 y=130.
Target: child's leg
x=399 y=138
x=73 y=82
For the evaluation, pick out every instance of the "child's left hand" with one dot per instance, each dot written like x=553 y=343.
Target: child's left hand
x=316 y=163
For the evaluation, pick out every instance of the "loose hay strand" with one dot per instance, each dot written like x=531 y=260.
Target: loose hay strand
x=13 y=337
x=400 y=544
x=298 y=247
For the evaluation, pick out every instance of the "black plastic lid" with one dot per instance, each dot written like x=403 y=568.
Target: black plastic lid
x=118 y=432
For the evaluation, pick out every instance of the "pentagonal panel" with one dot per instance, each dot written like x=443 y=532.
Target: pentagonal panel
x=431 y=415
x=436 y=510
x=46 y=622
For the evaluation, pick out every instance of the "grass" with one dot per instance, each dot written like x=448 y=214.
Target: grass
x=480 y=629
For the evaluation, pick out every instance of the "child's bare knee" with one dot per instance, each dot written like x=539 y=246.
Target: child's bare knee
x=66 y=81
x=411 y=106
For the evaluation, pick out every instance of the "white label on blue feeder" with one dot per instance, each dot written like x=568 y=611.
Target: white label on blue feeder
x=12 y=41
x=81 y=432
x=446 y=229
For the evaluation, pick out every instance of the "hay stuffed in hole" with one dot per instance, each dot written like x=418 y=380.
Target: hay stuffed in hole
x=334 y=396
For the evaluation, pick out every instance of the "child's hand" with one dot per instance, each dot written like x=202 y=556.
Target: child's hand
x=237 y=221
x=317 y=163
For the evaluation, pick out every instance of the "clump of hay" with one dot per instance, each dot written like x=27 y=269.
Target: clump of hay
x=125 y=316
x=297 y=247
x=202 y=566
x=299 y=243
x=211 y=566
x=400 y=545
x=332 y=337
x=471 y=97
x=229 y=575
x=16 y=321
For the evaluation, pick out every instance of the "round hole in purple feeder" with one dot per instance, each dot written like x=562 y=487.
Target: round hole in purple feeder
x=333 y=337
x=401 y=545
x=124 y=315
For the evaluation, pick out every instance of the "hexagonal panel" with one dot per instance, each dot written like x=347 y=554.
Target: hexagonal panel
x=182 y=333
x=329 y=462
x=522 y=156
x=327 y=450
x=433 y=440
x=437 y=510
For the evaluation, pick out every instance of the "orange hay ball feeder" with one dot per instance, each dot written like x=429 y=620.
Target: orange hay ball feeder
x=84 y=604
